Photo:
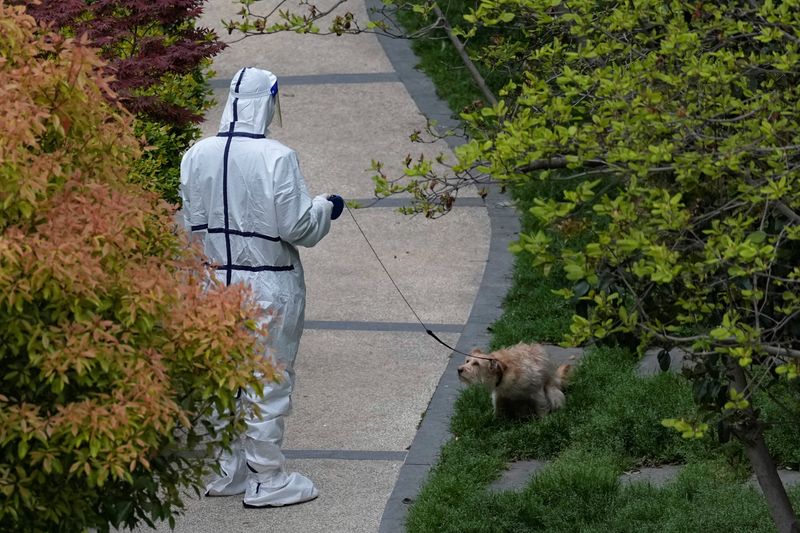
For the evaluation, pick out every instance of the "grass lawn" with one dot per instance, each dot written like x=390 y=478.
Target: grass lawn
x=610 y=424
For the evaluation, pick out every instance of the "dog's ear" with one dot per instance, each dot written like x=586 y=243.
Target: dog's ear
x=496 y=367
x=476 y=351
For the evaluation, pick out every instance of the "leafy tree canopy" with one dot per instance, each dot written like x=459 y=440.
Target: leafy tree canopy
x=676 y=127
x=157 y=57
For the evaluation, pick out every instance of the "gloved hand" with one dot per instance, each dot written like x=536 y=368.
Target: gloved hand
x=338 y=205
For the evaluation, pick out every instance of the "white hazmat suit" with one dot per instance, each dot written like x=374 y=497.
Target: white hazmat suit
x=244 y=196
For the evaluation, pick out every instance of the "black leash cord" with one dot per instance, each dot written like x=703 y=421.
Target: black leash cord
x=426 y=328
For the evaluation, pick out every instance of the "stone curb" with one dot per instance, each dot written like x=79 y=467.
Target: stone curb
x=487 y=307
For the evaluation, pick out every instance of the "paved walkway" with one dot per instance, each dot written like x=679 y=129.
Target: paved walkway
x=366 y=372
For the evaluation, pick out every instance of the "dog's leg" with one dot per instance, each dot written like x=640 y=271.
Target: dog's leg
x=541 y=404
x=513 y=409
x=555 y=397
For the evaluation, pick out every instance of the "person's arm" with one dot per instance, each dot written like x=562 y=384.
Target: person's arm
x=302 y=221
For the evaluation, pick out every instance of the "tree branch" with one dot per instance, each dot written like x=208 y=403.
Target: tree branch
x=558 y=161
x=788 y=211
x=487 y=93
x=772 y=350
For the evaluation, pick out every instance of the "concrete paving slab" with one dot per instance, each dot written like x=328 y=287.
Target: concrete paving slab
x=363 y=391
x=519 y=473
x=438 y=265
x=320 y=124
x=662 y=475
x=215 y=11
x=295 y=54
x=352 y=495
x=657 y=477
x=561 y=356
x=351 y=124
x=517 y=476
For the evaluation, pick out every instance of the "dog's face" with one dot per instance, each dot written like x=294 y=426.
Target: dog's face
x=480 y=370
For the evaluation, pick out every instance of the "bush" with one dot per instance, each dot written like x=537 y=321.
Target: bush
x=110 y=347
x=158 y=58
x=158 y=168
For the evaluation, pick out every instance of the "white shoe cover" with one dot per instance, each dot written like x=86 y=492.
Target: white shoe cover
x=228 y=485
x=279 y=490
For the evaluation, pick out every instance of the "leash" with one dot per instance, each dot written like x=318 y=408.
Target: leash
x=426 y=328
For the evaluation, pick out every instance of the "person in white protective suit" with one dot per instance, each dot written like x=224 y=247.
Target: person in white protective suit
x=245 y=198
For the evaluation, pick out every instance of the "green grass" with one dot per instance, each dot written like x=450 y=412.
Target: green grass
x=608 y=408
x=611 y=422
x=439 y=60
x=580 y=491
x=547 y=320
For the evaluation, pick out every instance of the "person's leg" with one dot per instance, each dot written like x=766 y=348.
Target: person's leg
x=268 y=482
x=269 y=485
x=232 y=478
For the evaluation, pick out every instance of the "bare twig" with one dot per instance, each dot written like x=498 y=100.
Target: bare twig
x=772 y=350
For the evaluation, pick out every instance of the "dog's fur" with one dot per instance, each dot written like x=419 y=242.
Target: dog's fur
x=524 y=382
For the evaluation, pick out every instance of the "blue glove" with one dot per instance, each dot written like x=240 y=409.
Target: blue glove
x=338 y=205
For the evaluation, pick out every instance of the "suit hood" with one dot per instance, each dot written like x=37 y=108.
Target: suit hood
x=251 y=102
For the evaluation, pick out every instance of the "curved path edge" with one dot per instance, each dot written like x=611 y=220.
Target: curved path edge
x=434 y=429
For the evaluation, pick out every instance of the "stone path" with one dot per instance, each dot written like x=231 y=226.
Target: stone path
x=366 y=371
x=519 y=473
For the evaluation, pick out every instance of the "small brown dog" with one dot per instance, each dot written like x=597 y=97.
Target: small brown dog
x=523 y=380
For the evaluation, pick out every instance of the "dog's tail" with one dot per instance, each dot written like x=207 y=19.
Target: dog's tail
x=555 y=389
x=563 y=374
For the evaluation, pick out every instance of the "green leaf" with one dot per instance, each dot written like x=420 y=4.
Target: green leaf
x=757 y=237
x=123 y=511
x=22 y=448
x=506 y=16
x=581 y=288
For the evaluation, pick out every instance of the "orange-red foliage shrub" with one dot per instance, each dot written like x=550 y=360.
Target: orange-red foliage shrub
x=112 y=346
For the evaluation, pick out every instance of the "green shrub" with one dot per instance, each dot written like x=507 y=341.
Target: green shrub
x=165 y=142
